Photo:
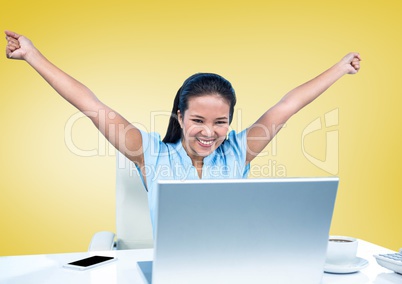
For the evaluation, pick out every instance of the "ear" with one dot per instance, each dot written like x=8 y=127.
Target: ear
x=180 y=118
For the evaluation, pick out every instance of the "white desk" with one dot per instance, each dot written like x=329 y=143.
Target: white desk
x=42 y=269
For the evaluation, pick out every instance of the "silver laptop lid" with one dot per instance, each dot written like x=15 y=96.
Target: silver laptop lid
x=243 y=231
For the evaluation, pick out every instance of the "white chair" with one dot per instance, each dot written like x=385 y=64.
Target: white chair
x=133 y=222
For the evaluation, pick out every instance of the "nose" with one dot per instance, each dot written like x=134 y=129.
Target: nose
x=207 y=130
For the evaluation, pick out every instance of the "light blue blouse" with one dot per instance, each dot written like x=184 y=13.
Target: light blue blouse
x=169 y=161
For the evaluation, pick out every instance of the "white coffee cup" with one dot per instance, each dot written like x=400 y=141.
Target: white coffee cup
x=341 y=250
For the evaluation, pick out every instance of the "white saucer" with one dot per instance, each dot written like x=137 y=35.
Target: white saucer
x=356 y=265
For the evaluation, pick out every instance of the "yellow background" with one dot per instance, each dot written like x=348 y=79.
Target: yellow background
x=135 y=54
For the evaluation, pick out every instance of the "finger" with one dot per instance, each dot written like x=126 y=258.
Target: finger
x=12 y=34
x=12 y=47
x=9 y=53
x=355 y=63
x=354 y=56
x=11 y=39
x=356 y=60
x=15 y=44
x=356 y=66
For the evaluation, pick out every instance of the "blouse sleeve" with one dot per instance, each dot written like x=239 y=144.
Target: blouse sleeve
x=237 y=147
x=153 y=148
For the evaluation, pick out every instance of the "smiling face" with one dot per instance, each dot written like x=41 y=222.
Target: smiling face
x=205 y=124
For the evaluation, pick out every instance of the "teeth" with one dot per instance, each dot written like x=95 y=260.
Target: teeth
x=206 y=142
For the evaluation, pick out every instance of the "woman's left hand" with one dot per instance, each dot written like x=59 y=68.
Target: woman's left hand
x=352 y=62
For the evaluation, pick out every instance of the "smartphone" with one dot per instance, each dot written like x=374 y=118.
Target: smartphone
x=89 y=262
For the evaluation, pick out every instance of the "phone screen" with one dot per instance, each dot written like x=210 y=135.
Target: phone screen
x=86 y=262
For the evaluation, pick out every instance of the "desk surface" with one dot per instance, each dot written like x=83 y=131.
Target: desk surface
x=48 y=268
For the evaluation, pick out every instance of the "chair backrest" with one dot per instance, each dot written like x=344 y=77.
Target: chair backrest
x=133 y=221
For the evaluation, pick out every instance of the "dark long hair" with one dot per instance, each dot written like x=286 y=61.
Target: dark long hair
x=199 y=84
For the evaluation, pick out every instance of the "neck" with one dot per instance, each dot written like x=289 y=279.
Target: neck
x=196 y=160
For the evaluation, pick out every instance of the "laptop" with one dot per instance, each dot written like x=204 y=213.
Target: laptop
x=241 y=231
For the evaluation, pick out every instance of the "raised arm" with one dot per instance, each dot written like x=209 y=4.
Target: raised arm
x=122 y=134
x=268 y=125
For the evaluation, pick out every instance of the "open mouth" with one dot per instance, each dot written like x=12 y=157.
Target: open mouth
x=205 y=142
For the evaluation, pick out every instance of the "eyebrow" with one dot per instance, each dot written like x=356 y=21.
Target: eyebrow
x=199 y=116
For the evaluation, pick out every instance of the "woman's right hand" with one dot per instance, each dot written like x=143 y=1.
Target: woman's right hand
x=120 y=132
x=18 y=46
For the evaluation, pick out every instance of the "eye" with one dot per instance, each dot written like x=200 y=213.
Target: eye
x=221 y=122
x=197 y=120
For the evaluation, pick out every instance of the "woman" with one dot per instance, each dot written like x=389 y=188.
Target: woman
x=197 y=143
